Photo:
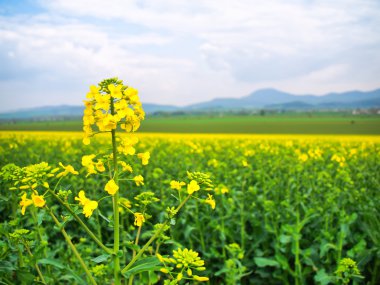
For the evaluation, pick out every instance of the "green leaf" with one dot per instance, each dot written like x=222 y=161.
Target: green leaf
x=325 y=247
x=73 y=275
x=285 y=239
x=132 y=245
x=24 y=275
x=6 y=266
x=323 y=278
x=263 y=262
x=100 y=258
x=144 y=264
x=52 y=262
x=40 y=217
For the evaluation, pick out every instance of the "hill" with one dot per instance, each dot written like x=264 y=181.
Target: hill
x=270 y=99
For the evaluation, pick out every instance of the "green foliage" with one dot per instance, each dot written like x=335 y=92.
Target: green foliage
x=288 y=215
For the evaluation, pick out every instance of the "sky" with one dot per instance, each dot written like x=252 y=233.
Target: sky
x=179 y=52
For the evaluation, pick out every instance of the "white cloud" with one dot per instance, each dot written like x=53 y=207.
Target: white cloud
x=182 y=52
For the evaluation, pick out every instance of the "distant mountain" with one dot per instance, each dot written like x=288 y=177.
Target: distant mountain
x=272 y=98
x=66 y=111
x=260 y=99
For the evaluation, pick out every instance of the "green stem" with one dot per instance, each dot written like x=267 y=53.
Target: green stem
x=223 y=228
x=88 y=231
x=115 y=199
x=142 y=250
x=375 y=272
x=35 y=265
x=199 y=226
x=33 y=211
x=134 y=252
x=242 y=220
x=298 y=268
x=73 y=248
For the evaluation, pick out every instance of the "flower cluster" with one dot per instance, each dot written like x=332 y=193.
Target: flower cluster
x=181 y=266
x=32 y=180
x=111 y=104
x=339 y=159
x=92 y=166
x=198 y=179
x=37 y=200
x=347 y=270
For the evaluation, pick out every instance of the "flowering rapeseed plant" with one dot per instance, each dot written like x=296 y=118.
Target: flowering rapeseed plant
x=109 y=107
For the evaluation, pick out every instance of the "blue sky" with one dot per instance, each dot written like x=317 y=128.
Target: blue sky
x=182 y=52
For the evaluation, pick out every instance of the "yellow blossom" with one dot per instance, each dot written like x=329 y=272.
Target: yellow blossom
x=144 y=157
x=127 y=146
x=94 y=90
x=176 y=184
x=111 y=187
x=88 y=205
x=100 y=166
x=89 y=208
x=115 y=91
x=38 y=200
x=125 y=166
x=89 y=164
x=192 y=187
x=139 y=219
x=102 y=101
x=123 y=109
x=25 y=202
x=210 y=200
x=67 y=169
x=303 y=157
x=130 y=92
x=139 y=180
x=87 y=159
x=82 y=198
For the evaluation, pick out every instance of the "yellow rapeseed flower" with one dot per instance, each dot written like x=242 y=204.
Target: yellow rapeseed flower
x=38 y=200
x=25 y=202
x=176 y=184
x=111 y=187
x=139 y=180
x=100 y=166
x=86 y=140
x=94 y=90
x=127 y=145
x=115 y=91
x=89 y=164
x=88 y=205
x=210 y=200
x=67 y=169
x=144 y=157
x=102 y=102
x=89 y=208
x=130 y=92
x=303 y=157
x=192 y=187
x=139 y=219
x=82 y=198
x=125 y=166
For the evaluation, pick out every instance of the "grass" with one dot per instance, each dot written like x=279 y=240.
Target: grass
x=292 y=124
